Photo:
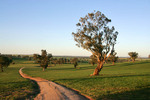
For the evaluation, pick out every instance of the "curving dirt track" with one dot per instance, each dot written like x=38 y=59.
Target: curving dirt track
x=52 y=91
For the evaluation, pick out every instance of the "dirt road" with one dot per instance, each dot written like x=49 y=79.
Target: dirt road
x=52 y=91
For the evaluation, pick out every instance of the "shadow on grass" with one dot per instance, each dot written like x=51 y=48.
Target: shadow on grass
x=20 y=92
x=88 y=67
x=35 y=91
x=93 y=67
x=140 y=94
x=57 y=68
x=135 y=63
x=102 y=76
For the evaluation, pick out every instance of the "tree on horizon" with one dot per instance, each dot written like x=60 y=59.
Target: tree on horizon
x=4 y=62
x=74 y=61
x=113 y=58
x=133 y=55
x=43 y=59
x=93 y=60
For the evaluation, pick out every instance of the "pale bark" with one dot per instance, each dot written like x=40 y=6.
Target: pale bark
x=98 y=68
x=100 y=64
x=113 y=63
x=133 y=60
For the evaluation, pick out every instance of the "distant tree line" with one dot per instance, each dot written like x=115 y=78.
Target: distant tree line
x=45 y=59
x=28 y=57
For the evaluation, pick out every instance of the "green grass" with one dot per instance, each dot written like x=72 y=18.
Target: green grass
x=13 y=86
x=122 y=81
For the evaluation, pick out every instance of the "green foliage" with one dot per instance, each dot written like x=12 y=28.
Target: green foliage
x=94 y=35
x=4 y=62
x=61 y=61
x=74 y=61
x=36 y=57
x=93 y=59
x=67 y=60
x=133 y=55
x=54 y=61
x=43 y=59
x=113 y=58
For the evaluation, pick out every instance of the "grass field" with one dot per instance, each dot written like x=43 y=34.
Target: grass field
x=120 y=82
x=13 y=86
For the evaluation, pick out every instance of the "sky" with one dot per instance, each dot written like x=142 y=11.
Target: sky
x=28 y=26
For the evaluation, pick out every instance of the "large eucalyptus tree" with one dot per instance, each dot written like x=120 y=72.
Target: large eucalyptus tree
x=94 y=35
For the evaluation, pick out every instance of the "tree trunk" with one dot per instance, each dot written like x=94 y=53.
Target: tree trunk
x=98 y=68
x=133 y=60
x=113 y=63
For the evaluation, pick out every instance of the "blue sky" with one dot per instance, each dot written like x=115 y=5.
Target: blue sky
x=27 y=26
